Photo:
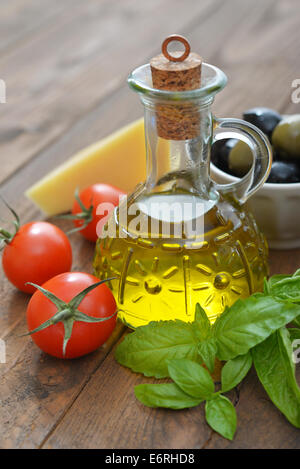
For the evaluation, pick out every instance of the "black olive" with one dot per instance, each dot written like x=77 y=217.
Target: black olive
x=264 y=118
x=220 y=152
x=284 y=172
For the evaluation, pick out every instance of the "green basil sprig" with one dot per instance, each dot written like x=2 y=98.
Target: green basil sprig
x=192 y=385
x=253 y=328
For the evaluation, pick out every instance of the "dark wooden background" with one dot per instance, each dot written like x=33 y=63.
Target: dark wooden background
x=65 y=64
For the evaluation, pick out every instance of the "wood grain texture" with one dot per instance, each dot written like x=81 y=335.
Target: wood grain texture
x=65 y=70
x=109 y=416
x=38 y=390
x=19 y=19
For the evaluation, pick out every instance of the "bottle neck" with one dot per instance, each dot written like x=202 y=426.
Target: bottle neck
x=178 y=164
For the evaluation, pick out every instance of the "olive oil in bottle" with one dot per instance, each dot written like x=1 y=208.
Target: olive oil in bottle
x=180 y=238
x=158 y=278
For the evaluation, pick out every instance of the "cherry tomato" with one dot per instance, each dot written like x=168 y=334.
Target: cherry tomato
x=90 y=199
x=86 y=337
x=36 y=253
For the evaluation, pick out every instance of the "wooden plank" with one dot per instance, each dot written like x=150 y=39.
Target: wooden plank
x=20 y=18
x=231 y=102
x=68 y=67
x=95 y=125
x=107 y=415
x=38 y=390
x=257 y=75
x=239 y=94
x=284 y=261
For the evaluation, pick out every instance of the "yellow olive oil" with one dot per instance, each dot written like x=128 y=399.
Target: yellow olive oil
x=161 y=276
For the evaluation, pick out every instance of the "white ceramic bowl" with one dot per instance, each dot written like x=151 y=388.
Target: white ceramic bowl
x=276 y=208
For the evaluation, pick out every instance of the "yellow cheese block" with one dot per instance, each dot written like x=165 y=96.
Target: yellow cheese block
x=118 y=159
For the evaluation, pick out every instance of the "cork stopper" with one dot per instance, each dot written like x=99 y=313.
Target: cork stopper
x=176 y=72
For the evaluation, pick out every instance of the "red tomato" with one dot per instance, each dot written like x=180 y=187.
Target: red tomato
x=86 y=337
x=37 y=252
x=93 y=196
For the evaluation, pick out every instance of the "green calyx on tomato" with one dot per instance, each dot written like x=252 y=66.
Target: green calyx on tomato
x=5 y=236
x=84 y=217
x=92 y=208
x=67 y=313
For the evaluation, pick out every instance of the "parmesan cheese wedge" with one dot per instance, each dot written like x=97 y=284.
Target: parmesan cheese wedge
x=118 y=159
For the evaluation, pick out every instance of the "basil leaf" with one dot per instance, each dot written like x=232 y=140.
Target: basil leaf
x=266 y=287
x=287 y=289
x=234 y=371
x=296 y=321
x=192 y=378
x=277 y=278
x=208 y=351
x=294 y=333
x=147 y=349
x=221 y=416
x=202 y=322
x=276 y=371
x=248 y=322
x=164 y=395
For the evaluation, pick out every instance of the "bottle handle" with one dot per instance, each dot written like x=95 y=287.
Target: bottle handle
x=262 y=156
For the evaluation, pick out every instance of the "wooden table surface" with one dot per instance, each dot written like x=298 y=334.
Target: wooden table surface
x=65 y=64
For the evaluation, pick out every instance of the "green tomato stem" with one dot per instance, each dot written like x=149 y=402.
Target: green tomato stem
x=67 y=313
x=5 y=236
x=86 y=216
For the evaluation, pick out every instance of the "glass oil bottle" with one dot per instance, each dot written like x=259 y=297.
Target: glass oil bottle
x=180 y=238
